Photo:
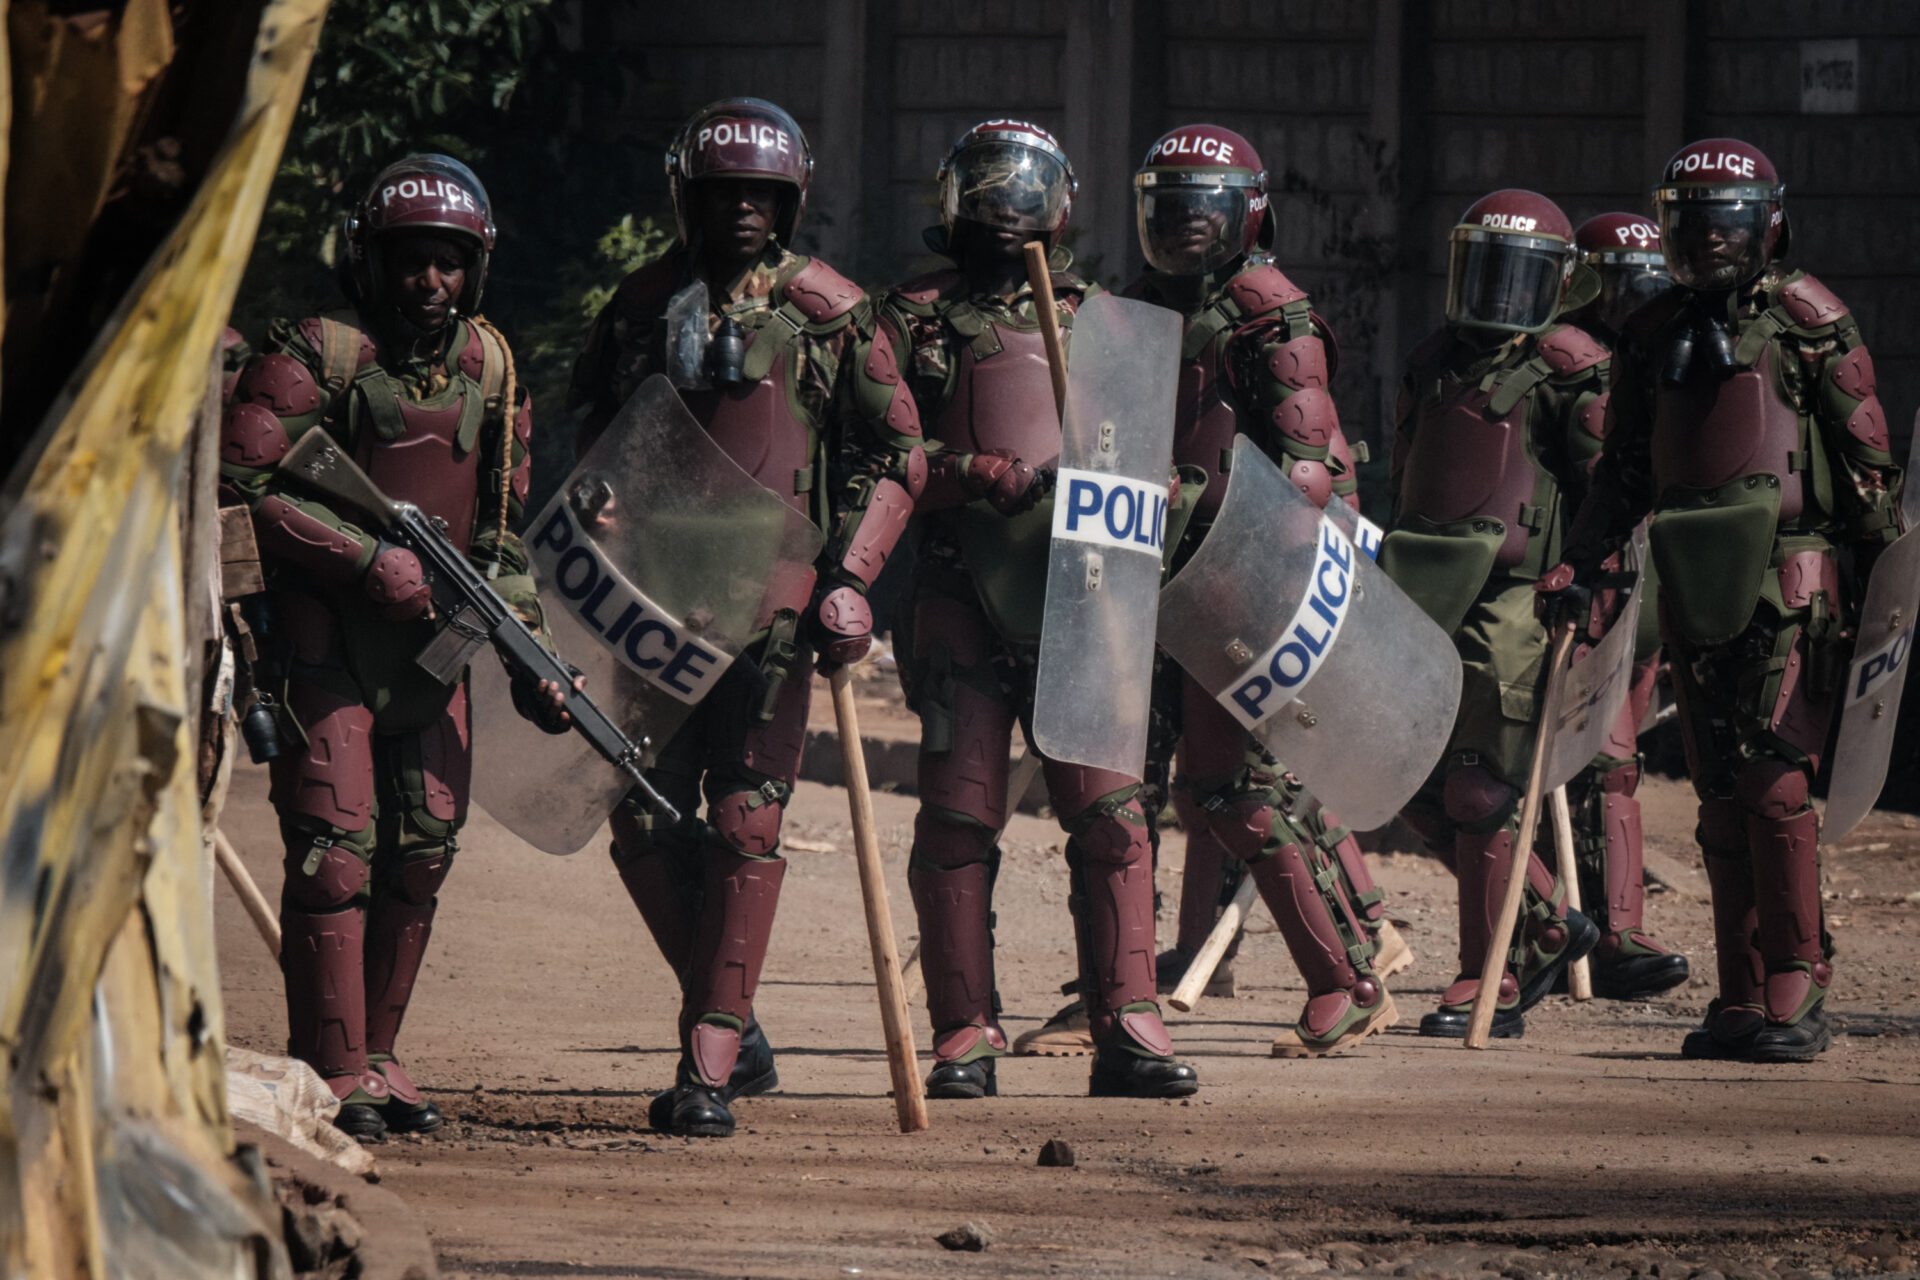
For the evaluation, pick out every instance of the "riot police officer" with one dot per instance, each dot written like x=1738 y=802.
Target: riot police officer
x=803 y=393
x=1490 y=412
x=1743 y=415
x=372 y=788
x=974 y=357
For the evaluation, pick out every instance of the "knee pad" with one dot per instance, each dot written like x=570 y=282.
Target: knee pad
x=1772 y=789
x=749 y=821
x=1116 y=838
x=325 y=877
x=418 y=879
x=1477 y=799
x=948 y=840
x=1621 y=778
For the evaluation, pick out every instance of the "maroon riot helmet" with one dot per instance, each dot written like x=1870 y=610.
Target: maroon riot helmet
x=1509 y=261
x=741 y=138
x=1623 y=249
x=1720 y=213
x=421 y=193
x=1007 y=174
x=1200 y=200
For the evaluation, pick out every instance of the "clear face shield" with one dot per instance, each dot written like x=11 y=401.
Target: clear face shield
x=1007 y=185
x=1503 y=281
x=1713 y=243
x=1628 y=281
x=1187 y=227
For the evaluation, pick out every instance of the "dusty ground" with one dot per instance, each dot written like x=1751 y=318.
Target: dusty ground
x=544 y=1021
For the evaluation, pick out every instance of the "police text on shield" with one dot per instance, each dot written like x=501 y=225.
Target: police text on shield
x=633 y=628
x=1281 y=674
x=1113 y=511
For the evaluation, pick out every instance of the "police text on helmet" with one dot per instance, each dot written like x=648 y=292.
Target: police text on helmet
x=1187 y=144
x=746 y=133
x=423 y=188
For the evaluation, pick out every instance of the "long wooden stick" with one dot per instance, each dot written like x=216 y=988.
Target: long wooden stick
x=1487 y=998
x=1579 y=974
x=1042 y=281
x=1017 y=784
x=1207 y=959
x=251 y=898
x=909 y=1099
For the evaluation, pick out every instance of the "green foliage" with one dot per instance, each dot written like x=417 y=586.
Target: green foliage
x=546 y=347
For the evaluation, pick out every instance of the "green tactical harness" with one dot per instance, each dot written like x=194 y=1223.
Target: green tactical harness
x=1717 y=548
x=1443 y=565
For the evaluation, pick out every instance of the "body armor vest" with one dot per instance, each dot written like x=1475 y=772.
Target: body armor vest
x=1003 y=398
x=1711 y=431
x=758 y=429
x=1465 y=462
x=423 y=451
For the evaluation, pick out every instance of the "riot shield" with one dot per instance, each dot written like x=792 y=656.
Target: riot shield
x=654 y=561
x=1311 y=647
x=1093 y=684
x=1599 y=680
x=1870 y=703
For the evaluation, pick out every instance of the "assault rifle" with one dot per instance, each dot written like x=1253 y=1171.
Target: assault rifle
x=474 y=613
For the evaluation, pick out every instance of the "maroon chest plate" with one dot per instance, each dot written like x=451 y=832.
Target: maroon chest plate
x=425 y=465
x=758 y=430
x=1204 y=426
x=1464 y=462
x=1709 y=432
x=1004 y=401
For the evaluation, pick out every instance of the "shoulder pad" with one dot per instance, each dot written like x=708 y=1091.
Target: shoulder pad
x=821 y=293
x=647 y=288
x=1263 y=288
x=1653 y=317
x=1811 y=304
x=1569 y=349
x=922 y=290
x=312 y=331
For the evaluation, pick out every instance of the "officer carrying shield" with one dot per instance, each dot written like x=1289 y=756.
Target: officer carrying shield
x=1490 y=411
x=974 y=358
x=779 y=361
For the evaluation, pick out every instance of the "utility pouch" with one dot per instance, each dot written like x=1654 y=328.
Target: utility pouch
x=777 y=657
x=1713 y=549
x=1442 y=566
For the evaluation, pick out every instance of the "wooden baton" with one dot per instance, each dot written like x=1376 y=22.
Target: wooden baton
x=1579 y=974
x=909 y=1098
x=1487 y=998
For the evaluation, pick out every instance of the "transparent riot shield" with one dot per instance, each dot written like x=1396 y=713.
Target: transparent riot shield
x=654 y=562
x=1095 y=673
x=1870 y=703
x=1311 y=647
x=1599 y=680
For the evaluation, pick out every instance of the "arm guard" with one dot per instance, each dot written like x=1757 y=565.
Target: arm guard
x=1848 y=414
x=1280 y=369
x=880 y=453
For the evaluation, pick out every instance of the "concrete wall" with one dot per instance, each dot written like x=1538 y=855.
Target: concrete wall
x=1379 y=120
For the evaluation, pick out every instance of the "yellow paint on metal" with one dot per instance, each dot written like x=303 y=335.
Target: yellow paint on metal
x=109 y=991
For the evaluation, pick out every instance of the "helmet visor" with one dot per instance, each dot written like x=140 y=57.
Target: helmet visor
x=1715 y=244
x=1504 y=282
x=1626 y=287
x=1006 y=185
x=1190 y=230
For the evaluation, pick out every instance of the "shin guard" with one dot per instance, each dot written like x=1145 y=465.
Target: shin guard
x=1730 y=880
x=729 y=947
x=321 y=962
x=397 y=934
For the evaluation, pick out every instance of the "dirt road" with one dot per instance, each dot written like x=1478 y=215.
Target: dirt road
x=544 y=1021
